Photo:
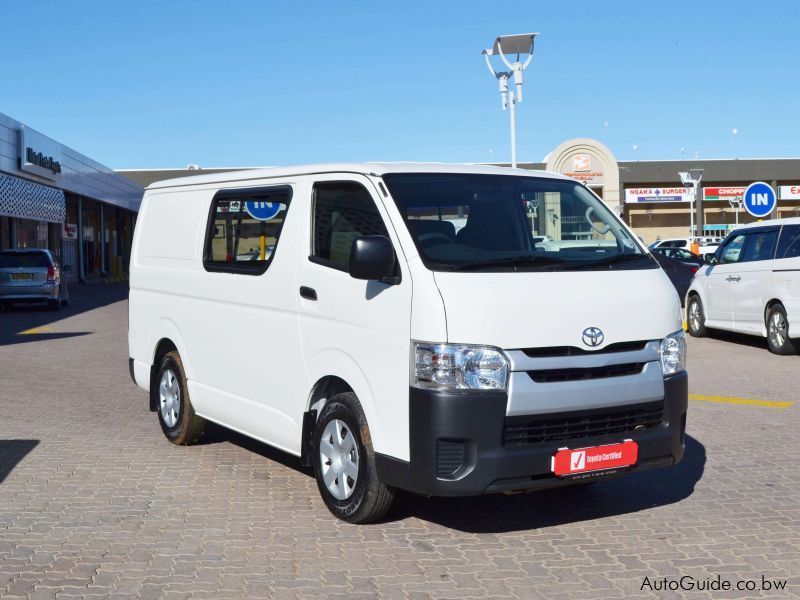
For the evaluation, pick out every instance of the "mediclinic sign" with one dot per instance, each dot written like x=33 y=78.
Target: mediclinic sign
x=665 y=194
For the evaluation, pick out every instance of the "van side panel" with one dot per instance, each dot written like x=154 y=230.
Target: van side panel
x=236 y=333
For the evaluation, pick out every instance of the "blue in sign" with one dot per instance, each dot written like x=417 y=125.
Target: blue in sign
x=262 y=211
x=759 y=199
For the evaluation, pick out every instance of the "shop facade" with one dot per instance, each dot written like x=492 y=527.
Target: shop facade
x=54 y=197
x=651 y=199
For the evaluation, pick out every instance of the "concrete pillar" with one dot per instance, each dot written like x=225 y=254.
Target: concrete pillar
x=81 y=270
x=102 y=237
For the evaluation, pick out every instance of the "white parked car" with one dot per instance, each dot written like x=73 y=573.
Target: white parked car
x=752 y=285
x=707 y=245
x=406 y=327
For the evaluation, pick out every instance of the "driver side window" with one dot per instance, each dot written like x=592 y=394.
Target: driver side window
x=732 y=251
x=342 y=212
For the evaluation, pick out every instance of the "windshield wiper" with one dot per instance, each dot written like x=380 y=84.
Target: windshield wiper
x=514 y=261
x=617 y=258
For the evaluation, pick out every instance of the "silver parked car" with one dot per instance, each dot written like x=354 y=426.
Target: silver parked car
x=32 y=275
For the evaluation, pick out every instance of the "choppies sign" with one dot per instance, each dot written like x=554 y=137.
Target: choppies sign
x=39 y=154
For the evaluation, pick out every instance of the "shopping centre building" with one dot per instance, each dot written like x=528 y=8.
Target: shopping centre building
x=52 y=196
x=647 y=194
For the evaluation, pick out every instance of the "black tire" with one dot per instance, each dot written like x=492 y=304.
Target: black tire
x=370 y=498
x=188 y=427
x=696 y=327
x=777 y=323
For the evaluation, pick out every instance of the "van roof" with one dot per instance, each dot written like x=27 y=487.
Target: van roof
x=376 y=169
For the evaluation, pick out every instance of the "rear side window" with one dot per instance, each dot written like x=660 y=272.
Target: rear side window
x=243 y=229
x=342 y=212
x=789 y=246
x=29 y=260
x=760 y=246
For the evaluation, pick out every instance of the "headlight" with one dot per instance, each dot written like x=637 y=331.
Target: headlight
x=458 y=367
x=673 y=353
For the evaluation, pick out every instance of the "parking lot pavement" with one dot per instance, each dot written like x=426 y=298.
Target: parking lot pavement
x=95 y=502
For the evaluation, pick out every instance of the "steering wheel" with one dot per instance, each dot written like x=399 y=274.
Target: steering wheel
x=427 y=237
x=605 y=228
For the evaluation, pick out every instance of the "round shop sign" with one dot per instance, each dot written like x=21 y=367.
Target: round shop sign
x=262 y=211
x=759 y=199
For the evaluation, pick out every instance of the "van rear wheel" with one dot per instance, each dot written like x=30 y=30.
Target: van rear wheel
x=778 y=340
x=344 y=463
x=696 y=318
x=176 y=415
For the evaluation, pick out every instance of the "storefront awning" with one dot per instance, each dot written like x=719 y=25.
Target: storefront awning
x=29 y=200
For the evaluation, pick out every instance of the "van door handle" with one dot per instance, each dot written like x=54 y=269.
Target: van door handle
x=308 y=293
x=733 y=278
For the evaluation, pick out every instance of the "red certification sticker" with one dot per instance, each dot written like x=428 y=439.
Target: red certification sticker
x=598 y=458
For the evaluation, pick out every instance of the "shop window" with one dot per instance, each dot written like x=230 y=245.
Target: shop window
x=343 y=211
x=243 y=229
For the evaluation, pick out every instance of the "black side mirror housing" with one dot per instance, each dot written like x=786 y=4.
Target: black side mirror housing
x=710 y=259
x=372 y=257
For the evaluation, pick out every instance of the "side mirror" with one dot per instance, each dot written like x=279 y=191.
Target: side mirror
x=372 y=257
x=710 y=259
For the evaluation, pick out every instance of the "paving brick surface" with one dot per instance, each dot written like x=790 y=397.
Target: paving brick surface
x=94 y=502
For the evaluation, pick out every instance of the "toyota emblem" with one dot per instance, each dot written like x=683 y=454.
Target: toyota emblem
x=593 y=336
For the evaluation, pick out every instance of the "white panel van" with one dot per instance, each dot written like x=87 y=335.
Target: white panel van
x=752 y=285
x=447 y=330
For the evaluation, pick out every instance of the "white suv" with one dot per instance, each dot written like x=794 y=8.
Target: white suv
x=708 y=245
x=752 y=285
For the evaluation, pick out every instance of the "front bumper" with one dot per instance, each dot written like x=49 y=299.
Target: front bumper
x=467 y=428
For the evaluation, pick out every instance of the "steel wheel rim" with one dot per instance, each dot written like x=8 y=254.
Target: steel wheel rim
x=777 y=329
x=338 y=455
x=694 y=316
x=169 y=395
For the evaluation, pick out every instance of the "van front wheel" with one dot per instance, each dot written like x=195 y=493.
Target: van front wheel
x=175 y=412
x=344 y=463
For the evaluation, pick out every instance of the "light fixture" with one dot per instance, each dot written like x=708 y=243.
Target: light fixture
x=519 y=45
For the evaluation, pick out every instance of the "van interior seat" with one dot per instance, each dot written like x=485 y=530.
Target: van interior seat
x=490 y=227
x=429 y=232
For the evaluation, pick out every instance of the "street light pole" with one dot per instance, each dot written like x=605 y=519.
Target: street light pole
x=511 y=44
x=691 y=180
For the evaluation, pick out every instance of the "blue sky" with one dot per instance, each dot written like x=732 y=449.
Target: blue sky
x=163 y=84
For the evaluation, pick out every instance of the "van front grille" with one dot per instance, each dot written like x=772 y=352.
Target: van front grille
x=573 y=351
x=527 y=430
x=576 y=374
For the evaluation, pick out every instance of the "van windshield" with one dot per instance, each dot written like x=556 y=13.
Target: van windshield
x=474 y=222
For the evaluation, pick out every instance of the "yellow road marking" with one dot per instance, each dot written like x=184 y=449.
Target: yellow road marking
x=36 y=330
x=746 y=401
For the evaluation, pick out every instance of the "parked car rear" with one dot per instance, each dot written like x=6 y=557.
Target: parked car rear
x=32 y=275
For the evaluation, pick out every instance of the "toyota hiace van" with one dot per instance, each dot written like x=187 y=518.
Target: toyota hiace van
x=447 y=330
